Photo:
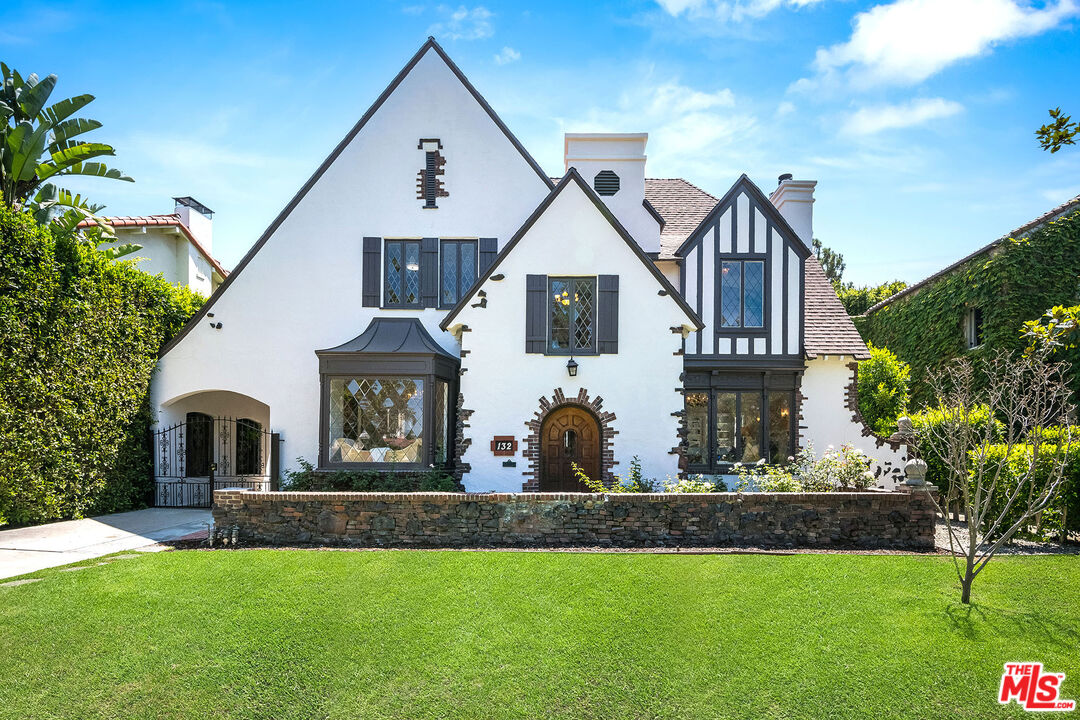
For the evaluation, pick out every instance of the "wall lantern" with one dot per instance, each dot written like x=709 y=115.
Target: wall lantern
x=571 y=367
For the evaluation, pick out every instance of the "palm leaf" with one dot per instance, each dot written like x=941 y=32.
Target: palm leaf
x=68 y=129
x=97 y=170
x=33 y=98
x=65 y=108
x=69 y=157
x=121 y=250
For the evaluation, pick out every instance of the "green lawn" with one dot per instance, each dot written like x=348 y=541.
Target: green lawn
x=309 y=634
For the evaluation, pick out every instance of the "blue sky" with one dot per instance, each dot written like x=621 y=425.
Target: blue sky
x=915 y=116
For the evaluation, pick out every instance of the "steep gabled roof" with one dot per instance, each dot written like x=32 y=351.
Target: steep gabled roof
x=573 y=176
x=392 y=336
x=430 y=44
x=682 y=206
x=1026 y=229
x=171 y=220
x=828 y=328
x=745 y=184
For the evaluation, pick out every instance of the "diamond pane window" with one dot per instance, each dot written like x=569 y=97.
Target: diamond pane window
x=376 y=420
x=402 y=273
x=458 y=270
x=753 y=294
x=697 y=428
x=730 y=293
x=440 y=425
x=573 y=315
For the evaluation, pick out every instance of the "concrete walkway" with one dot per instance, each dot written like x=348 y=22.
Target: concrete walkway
x=29 y=549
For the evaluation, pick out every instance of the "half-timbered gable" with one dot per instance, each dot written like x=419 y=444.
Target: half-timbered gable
x=742 y=272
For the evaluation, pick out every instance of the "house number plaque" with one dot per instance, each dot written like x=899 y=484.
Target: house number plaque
x=504 y=446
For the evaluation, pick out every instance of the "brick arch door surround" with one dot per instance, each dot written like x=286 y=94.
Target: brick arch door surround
x=559 y=406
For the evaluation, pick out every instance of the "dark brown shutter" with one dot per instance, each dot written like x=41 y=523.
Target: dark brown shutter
x=535 y=313
x=429 y=273
x=607 y=314
x=371 y=274
x=489 y=248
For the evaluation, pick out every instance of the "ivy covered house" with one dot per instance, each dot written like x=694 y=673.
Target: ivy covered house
x=980 y=303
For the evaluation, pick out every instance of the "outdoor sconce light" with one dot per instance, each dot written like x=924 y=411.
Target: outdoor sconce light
x=571 y=367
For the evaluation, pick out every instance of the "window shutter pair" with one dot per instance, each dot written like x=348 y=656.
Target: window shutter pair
x=537 y=309
x=429 y=269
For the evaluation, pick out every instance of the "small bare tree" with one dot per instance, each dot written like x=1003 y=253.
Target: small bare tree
x=1027 y=394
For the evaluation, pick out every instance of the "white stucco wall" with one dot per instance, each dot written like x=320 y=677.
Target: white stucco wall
x=158 y=253
x=302 y=291
x=826 y=420
x=502 y=384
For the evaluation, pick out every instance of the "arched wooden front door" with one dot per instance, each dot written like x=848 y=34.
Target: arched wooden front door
x=570 y=435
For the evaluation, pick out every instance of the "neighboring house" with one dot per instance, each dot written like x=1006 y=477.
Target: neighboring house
x=431 y=297
x=178 y=246
x=980 y=302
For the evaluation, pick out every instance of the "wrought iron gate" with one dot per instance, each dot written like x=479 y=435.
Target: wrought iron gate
x=202 y=454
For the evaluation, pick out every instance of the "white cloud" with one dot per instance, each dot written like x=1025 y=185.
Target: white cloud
x=876 y=118
x=785 y=108
x=507 y=55
x=463 y=23
x=691 y=132
x=728 y=10
x=907 y=41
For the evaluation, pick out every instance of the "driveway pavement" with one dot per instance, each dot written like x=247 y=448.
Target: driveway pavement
x=26 y=550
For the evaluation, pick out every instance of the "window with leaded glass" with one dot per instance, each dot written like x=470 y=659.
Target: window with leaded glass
x=376 y=419
x=457 y=270
x=402 y=281
x=697 y=428
x=727 y=426
x=572 y=328
x=442 y=427
x=742 y=294
x=781 y=447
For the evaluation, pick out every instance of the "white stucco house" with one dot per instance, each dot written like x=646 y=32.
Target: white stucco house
x=176 y=245
x=431 y=296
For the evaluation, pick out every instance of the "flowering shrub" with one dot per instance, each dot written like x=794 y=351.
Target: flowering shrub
x=843 y=468
x=694 y=484
x=764 y=478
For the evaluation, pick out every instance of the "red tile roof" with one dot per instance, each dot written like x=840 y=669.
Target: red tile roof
x=163 y=220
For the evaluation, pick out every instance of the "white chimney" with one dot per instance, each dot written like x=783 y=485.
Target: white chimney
x=795 y=201
x=198 y=219
x=614 y=165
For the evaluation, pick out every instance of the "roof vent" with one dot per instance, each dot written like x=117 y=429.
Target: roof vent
x=606 y=183
x=782 y=178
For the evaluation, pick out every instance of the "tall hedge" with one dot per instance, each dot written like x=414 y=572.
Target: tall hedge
x=1018 y=281
x=79 y=338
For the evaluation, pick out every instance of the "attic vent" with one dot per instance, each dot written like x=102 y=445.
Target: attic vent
x=606 y=183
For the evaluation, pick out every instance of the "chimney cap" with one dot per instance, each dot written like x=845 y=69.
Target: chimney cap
x=188 y=201
x=783 y=177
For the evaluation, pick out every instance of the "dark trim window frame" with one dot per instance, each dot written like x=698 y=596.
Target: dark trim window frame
x=571 y=315
x=973 y=327
x=738 y=419
x=458 y=264
x=402 y=273
x=743 y=297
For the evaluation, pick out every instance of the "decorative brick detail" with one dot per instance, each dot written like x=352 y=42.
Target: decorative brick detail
x=559 y=399
x=461 y=443
x=899 y=520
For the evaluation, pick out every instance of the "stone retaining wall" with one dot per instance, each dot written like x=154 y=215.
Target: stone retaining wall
x=867 y=519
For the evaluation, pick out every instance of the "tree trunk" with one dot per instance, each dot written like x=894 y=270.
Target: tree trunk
x=968 y=579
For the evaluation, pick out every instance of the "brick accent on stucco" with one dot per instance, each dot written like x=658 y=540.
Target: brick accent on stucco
x=851 y=402
x=559 y=399
x=866 y=519
x=461 y=442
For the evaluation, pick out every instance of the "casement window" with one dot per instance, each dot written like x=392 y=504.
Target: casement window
x=735 y=424
x=572 y=315
x=742 y=294
x=572 y=318
x=457 y=270
x=402 y=274
x=422 y=273
x=376 y=419
x=973 y=327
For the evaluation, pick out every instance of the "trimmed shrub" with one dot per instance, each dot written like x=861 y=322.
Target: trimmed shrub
x=1065 y=512
x=923 y=422
x=308 y=479
x=79 y=338
x=884 y=381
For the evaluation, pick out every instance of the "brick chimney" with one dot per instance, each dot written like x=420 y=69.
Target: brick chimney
x=614 y=165
x=795 y=201
x=197 y=218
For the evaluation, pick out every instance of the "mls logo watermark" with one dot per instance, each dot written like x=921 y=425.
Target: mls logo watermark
x=1032 y=689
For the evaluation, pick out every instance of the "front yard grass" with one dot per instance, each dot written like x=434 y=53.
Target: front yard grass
x=406 y=634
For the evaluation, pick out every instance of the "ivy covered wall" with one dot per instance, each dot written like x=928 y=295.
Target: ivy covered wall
x=1018 y=280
